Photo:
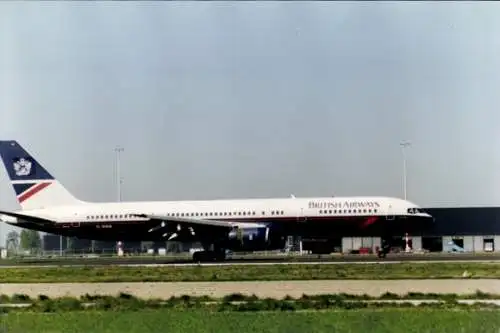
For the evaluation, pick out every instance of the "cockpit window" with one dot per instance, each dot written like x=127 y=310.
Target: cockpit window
x=414 y=211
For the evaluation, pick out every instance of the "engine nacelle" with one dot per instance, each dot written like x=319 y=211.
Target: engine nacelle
x=254 y=237
x=250 y=235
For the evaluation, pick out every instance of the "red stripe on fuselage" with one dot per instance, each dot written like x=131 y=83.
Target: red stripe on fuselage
x=369 y=221
x=32 y=191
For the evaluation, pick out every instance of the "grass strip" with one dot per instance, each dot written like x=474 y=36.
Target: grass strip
x=239 y=302
x=361 y=320
x=249 y=272
x=21 y=298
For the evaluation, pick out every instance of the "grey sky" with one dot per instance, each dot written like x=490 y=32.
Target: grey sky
x=218 y=100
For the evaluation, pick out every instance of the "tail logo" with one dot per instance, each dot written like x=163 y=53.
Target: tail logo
x=22 y=167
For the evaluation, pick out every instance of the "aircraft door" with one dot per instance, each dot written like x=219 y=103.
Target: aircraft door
x=301 y=217
x=76 y=221
x=390 y=213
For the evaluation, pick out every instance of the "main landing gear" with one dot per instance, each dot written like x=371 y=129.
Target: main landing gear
x=213 y=255
x=382 y=252
x=385 y=248
x=207 y=256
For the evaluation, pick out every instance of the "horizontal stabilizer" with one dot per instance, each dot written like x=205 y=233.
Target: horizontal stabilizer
x=28 y=218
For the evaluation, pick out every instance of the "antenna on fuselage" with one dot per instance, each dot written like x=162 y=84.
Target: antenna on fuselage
x=292 y=196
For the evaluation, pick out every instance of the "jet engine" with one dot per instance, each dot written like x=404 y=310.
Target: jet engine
x=253 y=234
x=253 y=238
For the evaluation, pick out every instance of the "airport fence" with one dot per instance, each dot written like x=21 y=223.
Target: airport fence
x=112 y=252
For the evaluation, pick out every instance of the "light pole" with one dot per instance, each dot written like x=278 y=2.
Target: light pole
x=119 y=179
x=404 y=145
x=118 y=151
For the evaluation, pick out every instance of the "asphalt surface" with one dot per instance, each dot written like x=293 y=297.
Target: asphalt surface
x=283 y=259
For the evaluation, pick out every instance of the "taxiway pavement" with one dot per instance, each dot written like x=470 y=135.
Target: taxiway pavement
x=274 y=289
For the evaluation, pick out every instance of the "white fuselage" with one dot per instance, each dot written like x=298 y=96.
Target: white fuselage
x=236 y=209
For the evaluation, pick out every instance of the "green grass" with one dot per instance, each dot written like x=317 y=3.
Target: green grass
x=242 y=303
x=21 y=298
x=248 y=272
x=387 y=321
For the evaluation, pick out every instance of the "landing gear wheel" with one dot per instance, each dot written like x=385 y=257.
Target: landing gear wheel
x=382 y=252
x=209 y=256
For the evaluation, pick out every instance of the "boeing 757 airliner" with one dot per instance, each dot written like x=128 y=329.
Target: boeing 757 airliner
x=237 y=224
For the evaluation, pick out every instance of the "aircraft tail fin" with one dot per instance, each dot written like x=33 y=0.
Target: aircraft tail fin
x=35 y=187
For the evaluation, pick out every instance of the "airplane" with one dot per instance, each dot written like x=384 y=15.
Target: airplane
x=219 y=225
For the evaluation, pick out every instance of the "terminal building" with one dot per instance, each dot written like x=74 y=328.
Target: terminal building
x=457 y=229
x=472 y=229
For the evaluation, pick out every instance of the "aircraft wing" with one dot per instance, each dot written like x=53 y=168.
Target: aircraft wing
x=190 y=221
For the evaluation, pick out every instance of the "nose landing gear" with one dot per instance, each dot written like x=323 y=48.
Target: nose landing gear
x=385 y=248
